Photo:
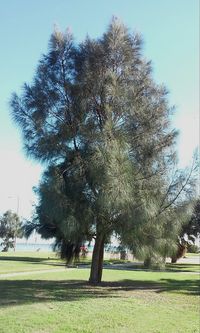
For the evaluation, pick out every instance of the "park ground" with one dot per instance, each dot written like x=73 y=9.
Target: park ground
x=38 y=294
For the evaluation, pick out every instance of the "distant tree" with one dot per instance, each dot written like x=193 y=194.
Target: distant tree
x=192 y=227
x=189 y=232
x=10 y=228
x=95 y=115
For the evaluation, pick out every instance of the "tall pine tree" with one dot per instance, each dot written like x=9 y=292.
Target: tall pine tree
x=95 y=115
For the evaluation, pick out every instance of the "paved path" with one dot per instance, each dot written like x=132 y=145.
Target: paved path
x=195 y=260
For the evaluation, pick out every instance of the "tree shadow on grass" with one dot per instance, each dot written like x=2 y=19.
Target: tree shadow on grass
x=189 y=287
x=31 y=291
x=183 y=268
x=34 y=291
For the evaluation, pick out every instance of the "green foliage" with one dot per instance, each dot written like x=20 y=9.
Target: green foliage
x=10 y=228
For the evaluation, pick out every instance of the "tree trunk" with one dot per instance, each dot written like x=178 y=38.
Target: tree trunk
x=181 y=251
x=123 y=255
x=97 y=260
x=5 y=249
x=174 y=260
x=147 y=262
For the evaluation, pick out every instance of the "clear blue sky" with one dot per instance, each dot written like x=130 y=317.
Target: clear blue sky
x=171 y=40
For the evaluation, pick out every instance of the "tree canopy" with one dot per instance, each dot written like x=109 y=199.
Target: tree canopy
x=10 y=228
x=95 y=116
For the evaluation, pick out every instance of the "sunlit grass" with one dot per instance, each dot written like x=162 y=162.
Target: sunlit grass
x=11 y=262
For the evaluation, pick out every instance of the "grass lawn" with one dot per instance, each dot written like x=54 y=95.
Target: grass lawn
x=127 y=301
x=11 y=262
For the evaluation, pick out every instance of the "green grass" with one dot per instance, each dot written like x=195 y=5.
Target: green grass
x=11 y=262
x=127 y=301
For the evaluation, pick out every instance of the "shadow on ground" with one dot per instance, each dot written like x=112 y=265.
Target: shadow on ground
x=183 y=267
x=33 y=291
x=28 y=259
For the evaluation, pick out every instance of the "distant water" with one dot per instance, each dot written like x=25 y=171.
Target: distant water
x=26 y=247
x=32 y=247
